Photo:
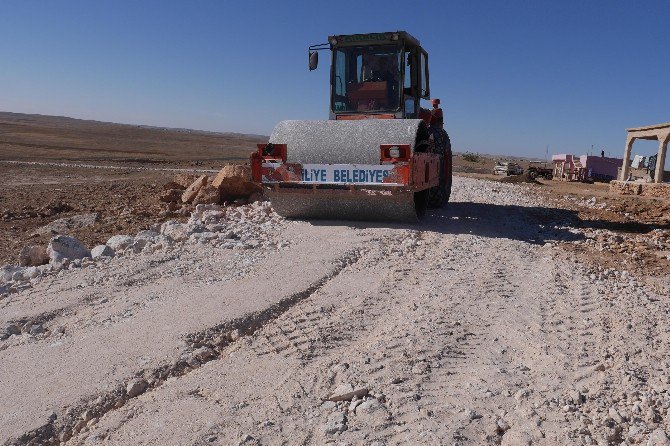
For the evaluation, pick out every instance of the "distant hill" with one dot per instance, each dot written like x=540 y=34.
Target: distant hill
x=42 y=137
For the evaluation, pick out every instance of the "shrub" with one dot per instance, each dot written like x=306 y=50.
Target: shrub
x=472 y=157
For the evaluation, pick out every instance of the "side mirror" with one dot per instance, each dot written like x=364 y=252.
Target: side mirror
x=313 y=60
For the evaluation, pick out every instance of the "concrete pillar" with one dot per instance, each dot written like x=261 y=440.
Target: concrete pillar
x=660 y=160
x=625 y=168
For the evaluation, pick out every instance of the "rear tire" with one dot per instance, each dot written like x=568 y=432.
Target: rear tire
x=438 y=196
x=421 y=203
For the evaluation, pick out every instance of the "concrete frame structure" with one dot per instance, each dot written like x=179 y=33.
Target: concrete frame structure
x=659 y=132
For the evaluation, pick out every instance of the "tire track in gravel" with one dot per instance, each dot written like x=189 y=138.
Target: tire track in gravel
x=84 y=301
x=81 y=312
x=329 y=329
x=314 y=329
x=395 y=335
x=214 y=340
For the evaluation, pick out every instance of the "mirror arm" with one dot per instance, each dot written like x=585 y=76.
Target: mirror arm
x=313 y=55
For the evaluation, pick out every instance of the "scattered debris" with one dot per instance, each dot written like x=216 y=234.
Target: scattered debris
x=345 y=392
x=136 y=387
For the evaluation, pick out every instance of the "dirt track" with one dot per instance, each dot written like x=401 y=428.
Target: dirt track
x=472 y=328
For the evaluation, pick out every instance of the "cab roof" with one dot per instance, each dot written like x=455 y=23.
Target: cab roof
x=390 y=36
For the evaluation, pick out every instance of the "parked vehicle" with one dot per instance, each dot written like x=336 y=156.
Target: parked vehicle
x=506 y=168
x=540 y=170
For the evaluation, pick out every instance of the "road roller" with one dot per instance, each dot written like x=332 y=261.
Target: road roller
x=380 y=155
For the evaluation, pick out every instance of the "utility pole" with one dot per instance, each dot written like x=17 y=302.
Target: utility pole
x=546 y=155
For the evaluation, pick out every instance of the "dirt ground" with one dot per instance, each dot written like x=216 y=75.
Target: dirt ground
x=638 y=227
x=126 y=199
x=34 y=196
x=475 y=327
x=519 y=314
x=54 y=167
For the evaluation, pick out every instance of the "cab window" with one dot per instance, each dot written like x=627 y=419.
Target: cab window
x=366 y=78
x=425 y=91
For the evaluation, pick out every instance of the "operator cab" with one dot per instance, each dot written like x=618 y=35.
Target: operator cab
x=378 y=75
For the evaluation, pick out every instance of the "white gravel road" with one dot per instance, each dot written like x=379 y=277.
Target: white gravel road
x=471 y=328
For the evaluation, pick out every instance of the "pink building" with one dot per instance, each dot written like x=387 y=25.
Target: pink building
x=573 y=168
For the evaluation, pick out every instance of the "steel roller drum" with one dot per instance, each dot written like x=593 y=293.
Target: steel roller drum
x=342 y=142
x=324 y=205
x=345 y=142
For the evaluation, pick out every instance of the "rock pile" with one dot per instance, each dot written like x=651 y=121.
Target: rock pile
x=629 y=417
x=235 y=227
x=591 y=203
x=638 y=253
x=232 y=184
x=505 y=194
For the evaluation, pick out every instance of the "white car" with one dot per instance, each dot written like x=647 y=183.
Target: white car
x=507 y=169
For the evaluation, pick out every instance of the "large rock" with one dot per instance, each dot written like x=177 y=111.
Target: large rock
x=234 y=181
x=120 y=242
x=33 y=255
x=69 y=224
x=146 y=240
x=192 y=191
x=8 y=330
x=32 y=272
x=337 y=422
x=207 y=194
x=102 y=251
x=175 y=230
x=64 y=247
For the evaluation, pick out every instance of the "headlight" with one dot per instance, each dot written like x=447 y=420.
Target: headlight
x=394 y=152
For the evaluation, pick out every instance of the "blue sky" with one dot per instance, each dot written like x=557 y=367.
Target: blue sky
x=513 y=76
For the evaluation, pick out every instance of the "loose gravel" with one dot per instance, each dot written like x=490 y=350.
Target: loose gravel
x=239 y=327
